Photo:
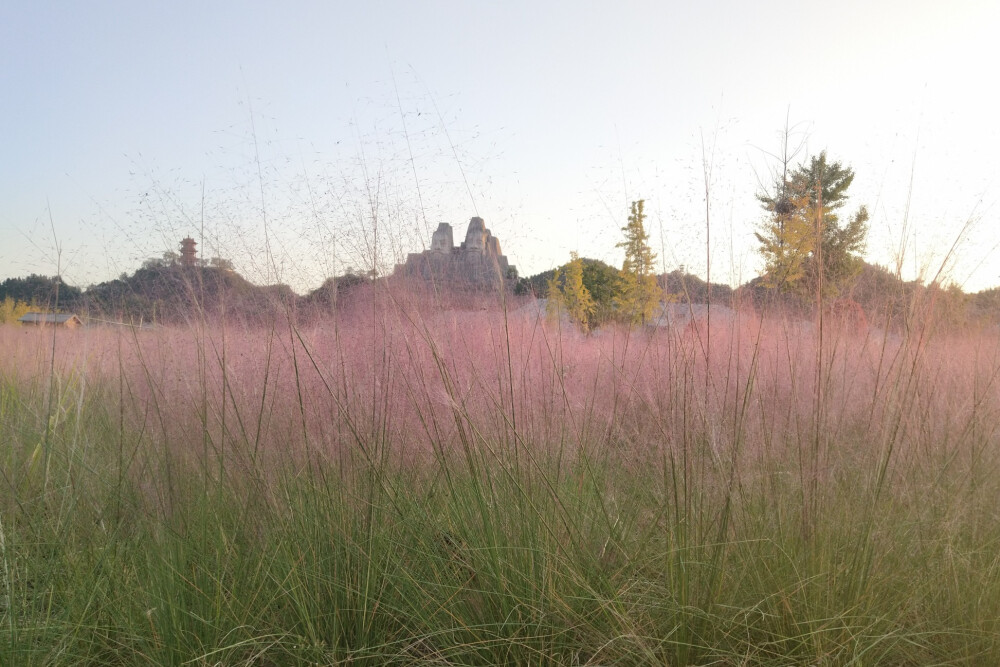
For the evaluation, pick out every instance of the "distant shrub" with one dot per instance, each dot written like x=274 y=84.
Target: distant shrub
x=11 y=310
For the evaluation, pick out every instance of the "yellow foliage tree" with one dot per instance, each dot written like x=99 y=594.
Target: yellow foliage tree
x=568 y=294
x=805 y=248
x=787 y=241
x=638 y=292
x=11 y=310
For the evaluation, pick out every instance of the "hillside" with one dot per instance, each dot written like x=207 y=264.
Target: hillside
x=885 y=299
x=167 y=292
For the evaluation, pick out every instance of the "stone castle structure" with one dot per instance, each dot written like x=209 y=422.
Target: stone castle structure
x=476 y=264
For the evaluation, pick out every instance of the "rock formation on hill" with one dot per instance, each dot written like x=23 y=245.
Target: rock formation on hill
x=476 y=264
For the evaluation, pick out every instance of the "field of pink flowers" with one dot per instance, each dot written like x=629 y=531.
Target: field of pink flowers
x=403 y=482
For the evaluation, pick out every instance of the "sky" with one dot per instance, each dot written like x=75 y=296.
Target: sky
x=304 y=139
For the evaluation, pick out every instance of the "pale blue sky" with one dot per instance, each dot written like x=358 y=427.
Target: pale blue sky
x=139 y=123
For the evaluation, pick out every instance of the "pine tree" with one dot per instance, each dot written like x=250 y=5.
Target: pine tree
x=842 y=244
x=788 y=239
x=638 y=293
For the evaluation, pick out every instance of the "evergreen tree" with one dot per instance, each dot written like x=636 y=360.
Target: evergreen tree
x=789 y=241
x=638 y=291
x=601 y=281
x=41 y=291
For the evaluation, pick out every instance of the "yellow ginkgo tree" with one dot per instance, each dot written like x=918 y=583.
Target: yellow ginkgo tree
x=638 y=292
x=568 y=294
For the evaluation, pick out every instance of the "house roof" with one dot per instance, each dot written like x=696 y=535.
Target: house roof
x=49 y=318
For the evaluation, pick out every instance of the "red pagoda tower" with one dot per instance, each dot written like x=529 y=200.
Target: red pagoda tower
x=188 y=252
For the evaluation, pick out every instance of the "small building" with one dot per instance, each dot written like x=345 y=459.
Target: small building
x=65 y=320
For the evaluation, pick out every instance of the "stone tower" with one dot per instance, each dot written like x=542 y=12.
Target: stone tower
x=475 y=236
x=443 y=240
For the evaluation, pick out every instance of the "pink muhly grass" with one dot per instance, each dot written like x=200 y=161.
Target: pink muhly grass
x=401 y=373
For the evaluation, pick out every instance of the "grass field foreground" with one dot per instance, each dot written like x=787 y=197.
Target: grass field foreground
x=397 y=485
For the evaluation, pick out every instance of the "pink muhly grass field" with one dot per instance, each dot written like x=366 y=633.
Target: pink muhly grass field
x=422 y=480
x=413 y=377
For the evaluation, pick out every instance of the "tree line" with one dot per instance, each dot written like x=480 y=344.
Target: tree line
x=807 y=248
x=811 y=246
